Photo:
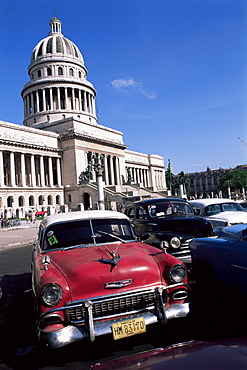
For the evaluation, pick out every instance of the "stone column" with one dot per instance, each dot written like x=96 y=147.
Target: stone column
x=59 y=180
x=50 y=172
x=106 y=170
x=118 y=180
x=65 y=98
x=12 y=169
x=42 y=171
x=51 y=98
x=32 y=103
x=37 y=100
x=44 y=100
x=111 y=171
x=85 y=101
x=79 y=97
x=23 y=171
x=73 y=99
x=1 y=170
x=58 y=98
x=33 y=175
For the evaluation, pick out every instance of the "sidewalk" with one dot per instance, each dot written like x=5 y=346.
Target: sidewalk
x=19 y=236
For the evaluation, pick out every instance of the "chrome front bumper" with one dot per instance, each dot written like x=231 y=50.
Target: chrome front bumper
x=70 y=334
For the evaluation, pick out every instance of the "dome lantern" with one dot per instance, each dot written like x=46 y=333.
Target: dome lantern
x=55 y=25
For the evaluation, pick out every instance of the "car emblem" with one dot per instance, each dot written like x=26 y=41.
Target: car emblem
x=118 y=284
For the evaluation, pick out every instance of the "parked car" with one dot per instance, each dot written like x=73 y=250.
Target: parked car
x=168 y=222
x=224 y=354
x=223 y=259
x=220 y=212
x=243 y=204
x=91 y=277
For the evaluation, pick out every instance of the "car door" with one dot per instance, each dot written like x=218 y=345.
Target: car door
x=238 y=264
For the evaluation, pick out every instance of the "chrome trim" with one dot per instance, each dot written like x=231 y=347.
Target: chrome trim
x=118 y=284
x=239 y=267
x=71 y=333
x=130 y=292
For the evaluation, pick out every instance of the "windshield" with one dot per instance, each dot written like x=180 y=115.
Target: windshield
x=223 y=207
x=169 y=208
x=86 y=232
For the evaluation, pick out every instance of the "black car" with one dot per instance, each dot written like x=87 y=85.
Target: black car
x=169 y=223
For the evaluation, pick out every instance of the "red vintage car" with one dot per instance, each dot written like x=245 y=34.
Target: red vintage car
x=91 y=277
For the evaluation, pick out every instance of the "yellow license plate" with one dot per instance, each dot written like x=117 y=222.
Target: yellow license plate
x=127 y=328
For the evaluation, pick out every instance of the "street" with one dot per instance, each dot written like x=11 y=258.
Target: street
x=20 y=350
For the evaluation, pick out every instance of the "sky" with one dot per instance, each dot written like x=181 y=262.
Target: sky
x=169 y=74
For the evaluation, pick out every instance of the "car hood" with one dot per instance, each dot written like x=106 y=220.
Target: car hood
x=234 y=217
x=87 y=270
x=196 y=226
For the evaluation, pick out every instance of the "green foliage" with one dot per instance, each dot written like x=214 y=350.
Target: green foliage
x=235 y=179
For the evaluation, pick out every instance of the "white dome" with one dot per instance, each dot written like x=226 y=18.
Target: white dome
x=56 y=46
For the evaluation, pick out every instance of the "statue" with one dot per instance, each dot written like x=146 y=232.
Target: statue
x=129 y=175
x=86 y=175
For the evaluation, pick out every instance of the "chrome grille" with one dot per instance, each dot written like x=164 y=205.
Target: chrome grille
x=109 y=307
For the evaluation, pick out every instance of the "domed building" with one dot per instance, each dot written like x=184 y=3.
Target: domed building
x=52 y=161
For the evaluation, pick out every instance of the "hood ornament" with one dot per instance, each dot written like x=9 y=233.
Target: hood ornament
x=113 y=261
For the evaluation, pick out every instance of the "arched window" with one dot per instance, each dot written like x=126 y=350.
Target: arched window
x=58 y=199
x=39 y=73
x=21 y=201
x=31 y=201
x=49 y=200
x=79 y=74
x=41 y=200
x=71 y=72
x=48 y=71
x=60 y=71
x=10 y=201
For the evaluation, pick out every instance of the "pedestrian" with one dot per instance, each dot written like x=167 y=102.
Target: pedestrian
x=33 y=217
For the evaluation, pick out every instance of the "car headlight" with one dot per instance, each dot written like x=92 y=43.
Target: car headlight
x=175 y=242
x=51 y=294
x=178 y=273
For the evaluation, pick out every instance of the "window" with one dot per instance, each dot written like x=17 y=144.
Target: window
x=60 y=71
x=141 y=213
x=71 y=72
x=79 y=74
x=39 y=73
x=131 y=212
x=48 y=71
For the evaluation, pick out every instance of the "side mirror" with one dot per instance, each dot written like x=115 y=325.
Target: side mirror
x=244 y=234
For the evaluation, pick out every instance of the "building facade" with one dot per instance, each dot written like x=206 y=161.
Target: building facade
x=206 y=183
x=51 y=161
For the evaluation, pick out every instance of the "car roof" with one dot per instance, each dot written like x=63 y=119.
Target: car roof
x=208 y=201
x=157 y=200
x=81 y=215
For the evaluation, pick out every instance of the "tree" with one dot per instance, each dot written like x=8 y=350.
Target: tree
x=235 y=179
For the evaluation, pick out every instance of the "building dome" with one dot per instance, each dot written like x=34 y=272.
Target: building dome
x=56 y=46
x=58 y=86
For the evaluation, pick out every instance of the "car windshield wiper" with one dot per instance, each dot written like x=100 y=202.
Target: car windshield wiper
x=112 y=235
x=75 y=246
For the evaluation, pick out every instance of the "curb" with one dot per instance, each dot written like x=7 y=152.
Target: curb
x=16 y=245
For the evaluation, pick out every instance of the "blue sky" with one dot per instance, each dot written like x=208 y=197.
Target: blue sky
x=171 y=75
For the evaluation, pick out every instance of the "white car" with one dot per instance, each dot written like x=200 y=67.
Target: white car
x=220 y=211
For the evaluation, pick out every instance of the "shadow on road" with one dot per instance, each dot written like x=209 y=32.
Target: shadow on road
x=19 y=350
